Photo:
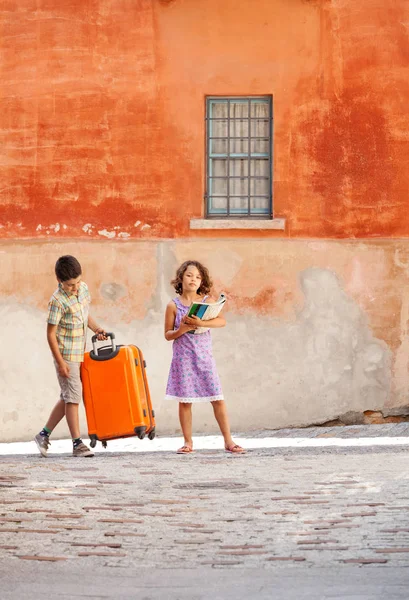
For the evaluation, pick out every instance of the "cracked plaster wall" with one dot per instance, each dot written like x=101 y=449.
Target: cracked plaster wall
x=315 y=330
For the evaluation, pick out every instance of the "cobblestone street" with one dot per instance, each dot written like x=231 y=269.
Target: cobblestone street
x=335 y=509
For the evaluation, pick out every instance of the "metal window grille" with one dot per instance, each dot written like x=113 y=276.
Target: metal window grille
x=239 y=157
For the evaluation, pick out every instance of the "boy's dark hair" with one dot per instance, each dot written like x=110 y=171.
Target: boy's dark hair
x=67 y=267
x=206 y=283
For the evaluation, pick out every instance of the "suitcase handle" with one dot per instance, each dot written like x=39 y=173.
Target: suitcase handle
x=94 y=340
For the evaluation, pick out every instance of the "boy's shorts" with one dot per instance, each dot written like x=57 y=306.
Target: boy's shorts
x=71 y=386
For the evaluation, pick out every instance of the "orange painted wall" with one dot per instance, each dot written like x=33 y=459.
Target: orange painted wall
x=102 y=112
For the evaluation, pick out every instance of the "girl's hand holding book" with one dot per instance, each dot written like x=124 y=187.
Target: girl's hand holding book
x=185 y=327
x=195 y=321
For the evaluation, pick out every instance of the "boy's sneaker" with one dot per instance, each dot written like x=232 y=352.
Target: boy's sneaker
x=81 y=450
x=43 y=442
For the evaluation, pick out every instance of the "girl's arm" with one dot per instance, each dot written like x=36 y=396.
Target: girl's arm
x=193 y=322
x=170 y=316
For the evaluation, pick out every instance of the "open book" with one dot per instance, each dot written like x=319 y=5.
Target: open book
x=206 y=311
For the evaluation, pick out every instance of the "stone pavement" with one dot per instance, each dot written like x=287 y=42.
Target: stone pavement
x=338 y=512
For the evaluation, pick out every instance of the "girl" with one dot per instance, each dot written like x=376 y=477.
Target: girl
x=193 y=376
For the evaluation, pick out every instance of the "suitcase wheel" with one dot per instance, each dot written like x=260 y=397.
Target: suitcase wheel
x=93 y=441
x=104 y=444
x=140 y=432
x=152 y=434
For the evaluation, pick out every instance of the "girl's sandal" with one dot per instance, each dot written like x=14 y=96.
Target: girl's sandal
x=235 y=449
x=185 y=450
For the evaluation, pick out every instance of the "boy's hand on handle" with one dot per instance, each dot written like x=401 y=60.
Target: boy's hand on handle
x=63 y=369
x=101 y=333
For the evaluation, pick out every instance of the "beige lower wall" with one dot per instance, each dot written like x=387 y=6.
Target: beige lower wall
x=316 y=329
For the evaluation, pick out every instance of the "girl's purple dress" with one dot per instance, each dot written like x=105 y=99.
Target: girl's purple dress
x=193 y=376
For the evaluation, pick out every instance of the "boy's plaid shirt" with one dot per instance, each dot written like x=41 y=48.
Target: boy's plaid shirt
x=70 y=313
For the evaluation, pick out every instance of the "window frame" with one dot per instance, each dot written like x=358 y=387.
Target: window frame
x=209 y=101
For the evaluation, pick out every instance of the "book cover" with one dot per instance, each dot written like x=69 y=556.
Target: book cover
x=206 y=311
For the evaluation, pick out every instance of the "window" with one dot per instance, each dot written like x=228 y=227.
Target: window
x=239 y=157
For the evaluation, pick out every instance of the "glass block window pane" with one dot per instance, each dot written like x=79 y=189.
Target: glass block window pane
x=219 y=147
x=259 y=128
x=219 y=167
x=260 y=110
x=259 y=146
x=220 y=128
x=218 y=204
x=238 y=204
x=220 y=110
x=260 y=168
x=218 y=186
x=238 y=187
x=239 y=109
x=239 y=167
x=260 y=205
x=239 y=128
x=239 y=146
x=259 y=187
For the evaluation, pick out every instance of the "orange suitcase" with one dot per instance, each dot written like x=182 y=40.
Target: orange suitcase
x=116 y=393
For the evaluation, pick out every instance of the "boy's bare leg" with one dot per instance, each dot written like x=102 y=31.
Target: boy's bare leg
x=185 y=418
x=220 y=412
x=73 y=421
x=42 y=439
x=56 y=415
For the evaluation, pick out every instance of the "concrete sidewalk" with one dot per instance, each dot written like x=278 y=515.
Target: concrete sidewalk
x=318 y=521
x=310 y=437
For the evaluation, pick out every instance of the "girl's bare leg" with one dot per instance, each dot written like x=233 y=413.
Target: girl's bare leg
x=220 y=412
x=185 y=418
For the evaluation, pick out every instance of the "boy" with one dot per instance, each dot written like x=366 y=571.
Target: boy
x=67 y=324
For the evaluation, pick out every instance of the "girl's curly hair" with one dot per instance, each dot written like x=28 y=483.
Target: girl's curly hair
x=206 y=283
